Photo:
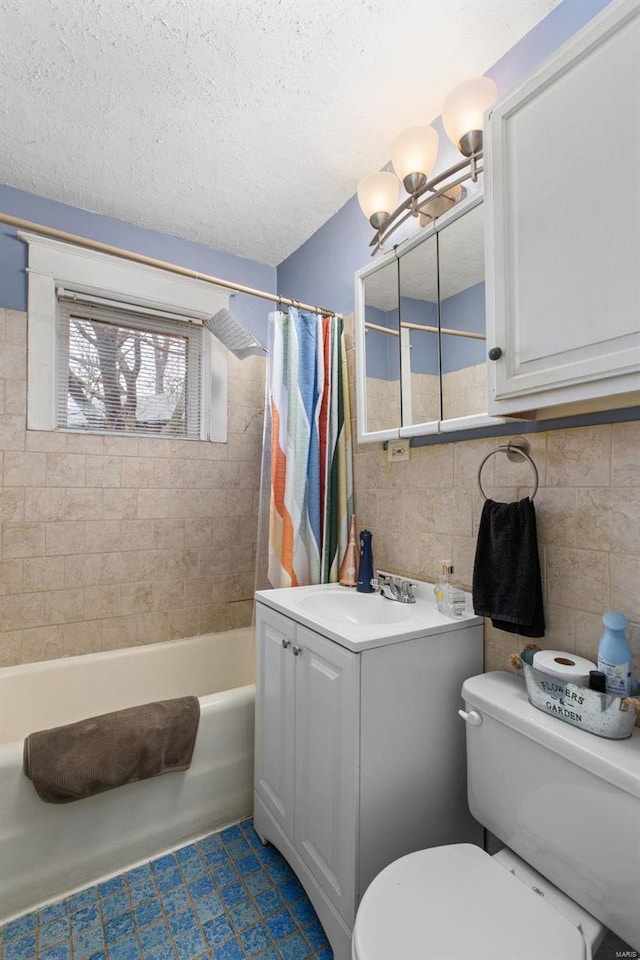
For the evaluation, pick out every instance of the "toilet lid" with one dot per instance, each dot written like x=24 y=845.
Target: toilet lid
x=454 y=902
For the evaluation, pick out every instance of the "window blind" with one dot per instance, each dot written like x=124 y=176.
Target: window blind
x=122 y=370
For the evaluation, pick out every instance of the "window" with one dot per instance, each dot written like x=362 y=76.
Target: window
x=118 y=347
x=119 y=371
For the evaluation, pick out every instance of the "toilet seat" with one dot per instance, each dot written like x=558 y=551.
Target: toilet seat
x=456 y=903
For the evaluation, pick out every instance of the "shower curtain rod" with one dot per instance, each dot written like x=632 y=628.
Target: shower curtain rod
x=160 y=264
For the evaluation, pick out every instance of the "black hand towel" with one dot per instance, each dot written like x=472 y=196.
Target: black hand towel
x=507 y=586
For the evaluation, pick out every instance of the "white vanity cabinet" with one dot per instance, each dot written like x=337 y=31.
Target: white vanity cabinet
x=562 y=198
x=306 y=748
x=360 y=754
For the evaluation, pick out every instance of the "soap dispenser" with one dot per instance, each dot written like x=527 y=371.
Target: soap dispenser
x=365 y=573
x=450 y=599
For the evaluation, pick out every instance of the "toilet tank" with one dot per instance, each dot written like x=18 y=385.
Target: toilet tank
x=566 y=801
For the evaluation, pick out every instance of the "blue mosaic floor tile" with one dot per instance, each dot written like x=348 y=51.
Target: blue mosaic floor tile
x=230 y=833
x=315 y=935
x=86 y=945
x=233 y=894
x=52 y=912
x=53 y=933
x=201 y=887
x=190 y=944
x=244 y=915
x=168 y=879
x=22 y=949
x=208 y=907
x=175 y=900
x=248 y=864
x=226 y=897
x=114 y=905
x=224 y=874
x=280 y=924
x=255 y=939
x=294 y=947
x=140 y=892
x=85 y=918
x=231 y=950
x=20 y=927
x=193 y=868
x=62 y=951
x=118 y=928
x=114 y=885
x=257 y=883
x=218 y=930
x=138 y=874
x=269 y=902
x=85 y=898
x=126 y=949
x=162 y=953
x=154 y=936
x=147 y=913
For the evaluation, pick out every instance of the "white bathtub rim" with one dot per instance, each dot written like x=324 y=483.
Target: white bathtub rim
x=212 y=701
x=185 y=842
x=54 y=662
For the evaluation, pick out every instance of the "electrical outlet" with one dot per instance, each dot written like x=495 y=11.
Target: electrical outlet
x=398 y=450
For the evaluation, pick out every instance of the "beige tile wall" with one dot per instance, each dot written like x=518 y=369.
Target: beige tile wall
x=588 y=510
x=115 y=541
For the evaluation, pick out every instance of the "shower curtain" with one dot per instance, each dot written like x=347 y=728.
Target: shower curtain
x=307 y=453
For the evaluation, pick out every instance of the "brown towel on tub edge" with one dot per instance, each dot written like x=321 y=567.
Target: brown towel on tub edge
x=81 y=759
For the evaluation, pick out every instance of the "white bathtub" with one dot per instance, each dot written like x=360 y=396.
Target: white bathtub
x=46 y=849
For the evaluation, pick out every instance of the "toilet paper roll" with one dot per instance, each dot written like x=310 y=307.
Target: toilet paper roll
x=565 y=666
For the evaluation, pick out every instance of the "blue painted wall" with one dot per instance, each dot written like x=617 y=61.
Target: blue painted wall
x=250 y=311
x=321 y=270
x=464 y=311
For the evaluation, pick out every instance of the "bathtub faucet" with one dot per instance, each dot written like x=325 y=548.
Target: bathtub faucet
x=395 y=588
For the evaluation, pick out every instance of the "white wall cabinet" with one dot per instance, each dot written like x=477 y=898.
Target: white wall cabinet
x=360 y=757
x=562 y=198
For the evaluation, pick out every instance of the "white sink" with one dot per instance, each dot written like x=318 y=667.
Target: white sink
x=343 y=604
x=361 y=620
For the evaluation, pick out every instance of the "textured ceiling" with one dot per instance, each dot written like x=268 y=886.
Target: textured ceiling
x=241 y=124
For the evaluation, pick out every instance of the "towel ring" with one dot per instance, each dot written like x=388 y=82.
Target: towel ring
x=515 y=450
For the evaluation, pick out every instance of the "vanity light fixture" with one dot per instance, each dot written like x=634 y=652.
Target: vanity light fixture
x=413 y=156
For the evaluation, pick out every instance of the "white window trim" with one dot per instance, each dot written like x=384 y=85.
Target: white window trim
x=54 y=263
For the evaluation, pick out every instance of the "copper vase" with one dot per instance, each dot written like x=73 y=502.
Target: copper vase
x=351 y=560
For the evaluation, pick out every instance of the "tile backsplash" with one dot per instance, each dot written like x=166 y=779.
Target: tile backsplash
x=111 y=541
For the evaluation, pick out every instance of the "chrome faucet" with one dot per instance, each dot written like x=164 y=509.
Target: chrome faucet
x=395 y=588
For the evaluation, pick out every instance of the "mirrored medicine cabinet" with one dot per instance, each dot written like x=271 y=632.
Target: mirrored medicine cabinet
x=420 y=332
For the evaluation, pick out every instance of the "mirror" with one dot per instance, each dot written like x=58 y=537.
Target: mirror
x=420 y=356
x=420 y=332
x=462 y=315
x=381 y=408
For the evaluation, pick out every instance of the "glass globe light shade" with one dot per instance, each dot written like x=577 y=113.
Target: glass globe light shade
x=378 y=196
x=463 y=108
x=414 y=151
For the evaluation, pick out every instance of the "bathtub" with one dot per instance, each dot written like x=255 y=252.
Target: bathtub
x=47 y=850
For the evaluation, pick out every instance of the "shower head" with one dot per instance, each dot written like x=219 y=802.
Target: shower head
x=233 y=335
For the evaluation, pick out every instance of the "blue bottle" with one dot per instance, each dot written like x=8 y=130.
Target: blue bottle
x=614 y=655
x=365 y=572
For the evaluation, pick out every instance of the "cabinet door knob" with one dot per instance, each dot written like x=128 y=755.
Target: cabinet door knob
x=296 y=650
x=285 y=643
x=495 y=353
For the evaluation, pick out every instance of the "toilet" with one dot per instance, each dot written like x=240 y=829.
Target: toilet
x=566 y=804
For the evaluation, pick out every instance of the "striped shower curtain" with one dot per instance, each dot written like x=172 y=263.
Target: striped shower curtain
x=311 y=489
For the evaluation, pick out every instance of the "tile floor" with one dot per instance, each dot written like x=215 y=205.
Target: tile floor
x=226 y=897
